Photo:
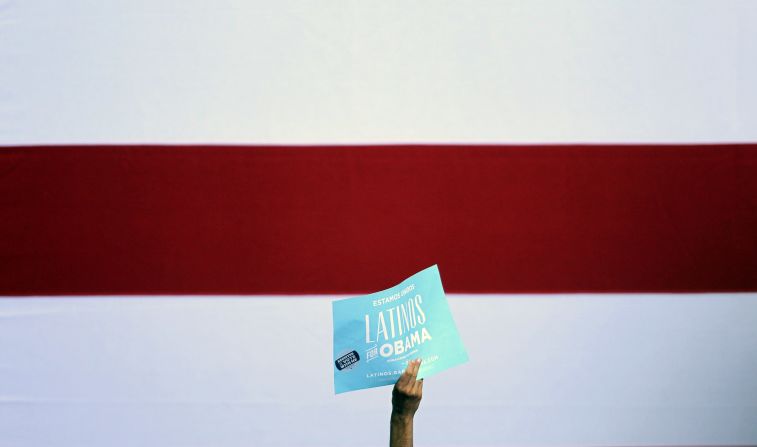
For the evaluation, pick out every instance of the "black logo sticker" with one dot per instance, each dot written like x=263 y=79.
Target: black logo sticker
x=347 y=360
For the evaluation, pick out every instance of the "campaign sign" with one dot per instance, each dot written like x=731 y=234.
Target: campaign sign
x=376 y=335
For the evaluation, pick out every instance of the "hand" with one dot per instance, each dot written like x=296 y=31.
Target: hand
x=407 y=392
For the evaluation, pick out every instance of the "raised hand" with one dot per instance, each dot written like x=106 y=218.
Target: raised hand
x=406 y=397
x=407 y=392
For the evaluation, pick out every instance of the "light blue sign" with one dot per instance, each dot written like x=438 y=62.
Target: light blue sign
x=376 y=335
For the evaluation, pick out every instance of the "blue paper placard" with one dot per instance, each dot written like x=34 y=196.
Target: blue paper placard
x=376 y=335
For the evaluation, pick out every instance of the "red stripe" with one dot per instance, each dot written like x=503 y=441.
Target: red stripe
x=256 y=220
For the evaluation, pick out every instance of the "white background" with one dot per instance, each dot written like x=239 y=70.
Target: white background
x=241 y=371
x=214 y=371
x=241 y=71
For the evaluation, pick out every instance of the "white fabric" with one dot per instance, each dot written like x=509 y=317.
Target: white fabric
x=241 y=71
x=240 y=371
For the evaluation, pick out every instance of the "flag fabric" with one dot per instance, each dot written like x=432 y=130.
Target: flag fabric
x=351 y=219
x=185 y=187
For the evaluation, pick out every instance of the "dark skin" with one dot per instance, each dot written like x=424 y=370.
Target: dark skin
x=406 y=397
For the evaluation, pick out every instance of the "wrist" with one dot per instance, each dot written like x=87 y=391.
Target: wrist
x=401 y=417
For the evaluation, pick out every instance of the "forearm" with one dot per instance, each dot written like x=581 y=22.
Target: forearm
x=406 y=396
x=401 y=431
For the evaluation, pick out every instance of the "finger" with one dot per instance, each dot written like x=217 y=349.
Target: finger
x=417 y=367
x=418 y=388
x=402 y=381
x=407 y=375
